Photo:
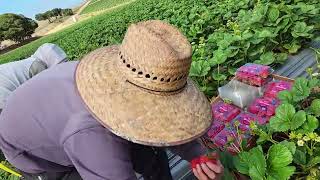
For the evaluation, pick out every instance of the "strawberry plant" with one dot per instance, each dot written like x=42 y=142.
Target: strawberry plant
x=289 y=146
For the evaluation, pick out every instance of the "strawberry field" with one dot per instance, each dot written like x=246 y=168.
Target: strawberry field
x=225 y=34
x=98 y=5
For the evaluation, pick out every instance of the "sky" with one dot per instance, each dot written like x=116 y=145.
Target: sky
x=30 y=8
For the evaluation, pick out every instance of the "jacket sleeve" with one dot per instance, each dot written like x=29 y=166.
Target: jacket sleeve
x=97 y=154
x=189 y=151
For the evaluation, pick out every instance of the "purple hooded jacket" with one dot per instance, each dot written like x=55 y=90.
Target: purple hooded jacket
x=45 y=127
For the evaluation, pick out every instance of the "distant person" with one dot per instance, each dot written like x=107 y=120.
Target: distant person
x=111 y=114
x=14 y=74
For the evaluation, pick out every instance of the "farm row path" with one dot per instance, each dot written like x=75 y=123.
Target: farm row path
x=78 y=18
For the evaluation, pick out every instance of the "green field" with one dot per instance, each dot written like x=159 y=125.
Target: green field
x=98 y=5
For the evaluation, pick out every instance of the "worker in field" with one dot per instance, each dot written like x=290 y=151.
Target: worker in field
x=14 y=74
x=112 y=114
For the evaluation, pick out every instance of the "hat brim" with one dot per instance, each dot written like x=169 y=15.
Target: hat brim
x=135 y=114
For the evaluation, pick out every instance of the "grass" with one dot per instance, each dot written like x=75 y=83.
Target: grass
x=98 y=5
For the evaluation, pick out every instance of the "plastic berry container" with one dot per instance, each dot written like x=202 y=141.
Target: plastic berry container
x=215 y=129
x=256 y=70
x=264 y=106
x=224 y=112
x=273 y=88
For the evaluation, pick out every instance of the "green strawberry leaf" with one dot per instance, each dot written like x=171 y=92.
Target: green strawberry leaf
x=282 y=120
x=282 y=173
x=252 y=163
x=309 y=126
x=219 y=57
x=285 y=97
x=290 y=145
x=313 y=82
x=298 y=119
x=300 y=89
x=293 y=47
x=266 y=58
x=257 y=169
x=279 y=156
x=219 y=77
x=314 y=161
x=281 y=57
x=300 y=157
x=242 y=163
x=315 y=107
x=232 y=71
x=199 y=68
x=273 y=14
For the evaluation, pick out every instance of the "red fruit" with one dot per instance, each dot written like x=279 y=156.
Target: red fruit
x=194 y=162
x=204 y=159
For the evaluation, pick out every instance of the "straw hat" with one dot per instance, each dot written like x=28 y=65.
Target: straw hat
x=140 y=90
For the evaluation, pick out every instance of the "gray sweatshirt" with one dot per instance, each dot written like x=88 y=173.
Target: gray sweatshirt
x=45 y=127
x=13 y=74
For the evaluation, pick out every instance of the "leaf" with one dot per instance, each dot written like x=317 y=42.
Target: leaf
x=300 y=157
x=199 y=68
x=290 y=145
x=301 y=29
x=314 y=161
x=279 y=156
x=285 y=97
x=232 y=70
x=293 y=47
x=273 y=14
x=300 y=89
x=265 y=34
x=310 y=125
x=252 y=163
x=242 y=163
x=267 y=58
x=298 y=119
x=281 y=57
x=219 y=57
x=315 y=107
x=313 y=83
x=258 y=169
x=219 y=77
x=283 y=173
x=282 y=120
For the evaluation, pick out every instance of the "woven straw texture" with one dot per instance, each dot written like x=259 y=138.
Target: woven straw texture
x=140 y=90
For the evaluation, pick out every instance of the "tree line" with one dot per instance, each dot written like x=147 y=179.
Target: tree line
x=16 y=27
x=54 y=13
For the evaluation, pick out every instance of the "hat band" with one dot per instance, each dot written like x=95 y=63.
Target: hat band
x=136 y=70
x=167 y=93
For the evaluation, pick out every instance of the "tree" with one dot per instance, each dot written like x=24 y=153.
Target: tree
x=40 y=17
x=67 y=12
x=16 y=27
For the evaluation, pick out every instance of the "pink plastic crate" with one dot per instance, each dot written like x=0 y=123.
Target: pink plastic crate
x=273 y=88
x=224 y=112
x=264 y=106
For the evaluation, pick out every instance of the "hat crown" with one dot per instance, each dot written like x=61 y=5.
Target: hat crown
x=155 y=56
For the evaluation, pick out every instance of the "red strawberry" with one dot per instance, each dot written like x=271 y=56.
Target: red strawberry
x=204 y=159
x=194 y=162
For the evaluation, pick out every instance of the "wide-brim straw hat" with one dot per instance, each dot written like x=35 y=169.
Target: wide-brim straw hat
x=140 y=90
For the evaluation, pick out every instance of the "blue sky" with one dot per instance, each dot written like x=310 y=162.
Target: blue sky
x=31 y=7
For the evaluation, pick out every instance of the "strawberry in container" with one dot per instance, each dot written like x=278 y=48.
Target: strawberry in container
x=254 y=74
x=273 y=88
x=264 y=106
x=224 y=112
x=215 y=129
x=243 y=120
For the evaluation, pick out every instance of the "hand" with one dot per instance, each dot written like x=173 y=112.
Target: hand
x=209 y=170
